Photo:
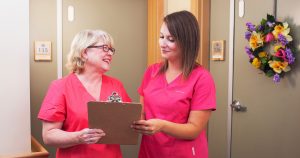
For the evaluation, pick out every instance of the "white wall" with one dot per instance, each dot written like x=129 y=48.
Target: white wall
x=14 y=78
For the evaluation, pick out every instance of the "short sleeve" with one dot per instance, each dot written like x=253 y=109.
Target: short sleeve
x=53 y=106
x=204 y=95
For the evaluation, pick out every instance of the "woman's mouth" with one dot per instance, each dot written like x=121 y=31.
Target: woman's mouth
x=108 y=61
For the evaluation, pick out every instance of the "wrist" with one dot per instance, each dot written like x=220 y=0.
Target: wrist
x=77 y=137
x=163 y=125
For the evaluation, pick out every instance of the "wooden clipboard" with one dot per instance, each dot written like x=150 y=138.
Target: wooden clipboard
x=115 y=119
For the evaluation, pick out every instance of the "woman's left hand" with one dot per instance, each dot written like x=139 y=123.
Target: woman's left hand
x=148 y=127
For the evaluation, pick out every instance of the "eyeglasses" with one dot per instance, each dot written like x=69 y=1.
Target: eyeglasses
x=105 y=48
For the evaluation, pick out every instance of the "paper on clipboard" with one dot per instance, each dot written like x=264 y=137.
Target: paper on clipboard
x=115 y=119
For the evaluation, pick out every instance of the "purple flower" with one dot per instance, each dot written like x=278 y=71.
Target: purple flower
x=248 y=51
x=260 y=27
x=250 y=26
x=247 y=35
x=270 y=24
x=276 y=78
x=290 y=56
x=282 y=39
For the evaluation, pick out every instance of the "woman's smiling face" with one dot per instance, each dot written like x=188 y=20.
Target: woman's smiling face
x=168 y=45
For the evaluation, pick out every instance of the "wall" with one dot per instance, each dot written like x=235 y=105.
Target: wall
x=42 y=27
x=176 y=5
x=14 y=80
x=219 y=69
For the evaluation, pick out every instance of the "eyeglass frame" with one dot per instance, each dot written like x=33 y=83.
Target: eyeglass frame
x=105 y=48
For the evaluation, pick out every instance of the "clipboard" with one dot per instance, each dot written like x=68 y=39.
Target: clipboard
x=114 y=118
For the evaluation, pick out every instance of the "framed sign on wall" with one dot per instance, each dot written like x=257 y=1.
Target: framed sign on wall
x=217 y=50
x=42 y=51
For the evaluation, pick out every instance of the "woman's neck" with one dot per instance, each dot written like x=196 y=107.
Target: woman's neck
x=90 y=77
x=175 y=66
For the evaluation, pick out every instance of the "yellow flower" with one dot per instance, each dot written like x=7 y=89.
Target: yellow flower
x=277 y=30
x=276 y=47
x=262 y=54
x=279 y=66
x=256 y=63
x=256 y=40
x=284 y=30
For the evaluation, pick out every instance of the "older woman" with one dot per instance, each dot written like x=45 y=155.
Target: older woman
x=64 y=109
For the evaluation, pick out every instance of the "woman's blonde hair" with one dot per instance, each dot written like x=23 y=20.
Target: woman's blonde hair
x=81 y=41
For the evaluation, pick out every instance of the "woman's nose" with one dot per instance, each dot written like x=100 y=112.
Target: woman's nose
x=162 y=43
x=110 y=53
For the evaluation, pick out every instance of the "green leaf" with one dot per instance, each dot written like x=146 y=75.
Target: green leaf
x=271 y=18
x=270 y=73
x=263 y=66
x=276 y=58
x=270 y=29
x=264 y=60
x=263 y=21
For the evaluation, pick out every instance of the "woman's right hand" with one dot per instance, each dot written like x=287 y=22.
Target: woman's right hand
x=90 y=136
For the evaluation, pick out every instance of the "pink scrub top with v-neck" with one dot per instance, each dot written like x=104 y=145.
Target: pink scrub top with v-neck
x=66 y=101
x=173 y=102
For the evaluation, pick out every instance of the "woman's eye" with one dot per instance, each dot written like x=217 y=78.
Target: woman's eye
x=161 y=37
x=171 y=39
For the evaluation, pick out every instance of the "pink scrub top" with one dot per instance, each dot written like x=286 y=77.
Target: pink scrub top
x=66 y=101
x=173 y=102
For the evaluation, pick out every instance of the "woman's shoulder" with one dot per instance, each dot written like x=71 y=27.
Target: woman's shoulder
x=154 y=68
x=111 y=79
x=200 y=71
x=63 y=80
x=200 y=68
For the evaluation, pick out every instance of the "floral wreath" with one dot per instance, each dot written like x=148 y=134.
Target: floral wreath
x=274 y=36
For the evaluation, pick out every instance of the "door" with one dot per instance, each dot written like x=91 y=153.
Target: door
x=269 y=128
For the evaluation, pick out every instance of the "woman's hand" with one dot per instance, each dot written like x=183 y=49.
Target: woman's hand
x=190 y=130
x=148 y=127
x=90 y=136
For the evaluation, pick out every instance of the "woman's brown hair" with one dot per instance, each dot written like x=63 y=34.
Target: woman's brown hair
x=184 y=27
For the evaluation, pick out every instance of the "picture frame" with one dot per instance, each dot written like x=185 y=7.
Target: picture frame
x=42 y=51
x=217 y=50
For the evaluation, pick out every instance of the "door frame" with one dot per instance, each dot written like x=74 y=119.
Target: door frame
x=59 y=41
x=230 y=75
x=201 y=10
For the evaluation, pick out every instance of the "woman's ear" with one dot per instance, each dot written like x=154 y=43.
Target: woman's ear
x=84 y=54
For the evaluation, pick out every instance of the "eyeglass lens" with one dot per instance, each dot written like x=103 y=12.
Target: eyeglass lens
x=105 y=48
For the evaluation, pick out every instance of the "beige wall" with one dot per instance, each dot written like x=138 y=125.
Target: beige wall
x=125 y=21
x=176 y=5
x=217 y=132
x=42 y=28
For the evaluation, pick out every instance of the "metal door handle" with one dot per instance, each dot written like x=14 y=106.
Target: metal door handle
x=236 y=106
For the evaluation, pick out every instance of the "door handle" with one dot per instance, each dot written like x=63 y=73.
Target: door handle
x=236 y=106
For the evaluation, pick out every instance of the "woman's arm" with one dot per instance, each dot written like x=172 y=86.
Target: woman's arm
x=53 y=135
x=197 y=121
